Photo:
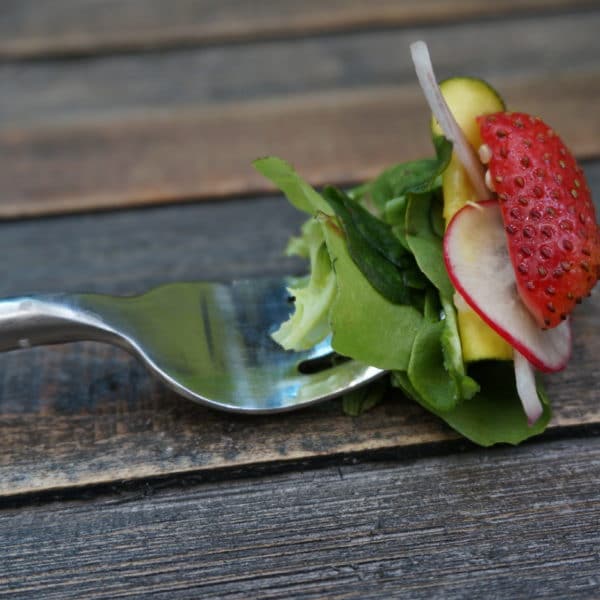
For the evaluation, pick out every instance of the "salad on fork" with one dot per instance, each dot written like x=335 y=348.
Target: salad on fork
x=457 y=273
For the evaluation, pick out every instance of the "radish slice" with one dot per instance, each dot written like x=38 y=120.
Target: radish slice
x=525 y=378
x=441 y=111
x=476 y=256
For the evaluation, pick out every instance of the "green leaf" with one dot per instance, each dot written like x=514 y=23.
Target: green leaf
x=365 y=325
x=418 y=176
x=300 y=245
x=395 y=215
x=432 y=308
x=360 y=192
x=365 y=398
x=466 y=387
x=383 y=275
x=494 y=415
x=297 y=191
x=425 y=244
x=309 y=323
x=438 y=224
x=374 y=231
x=426 y=370
x=395 y=211
x=443 y=152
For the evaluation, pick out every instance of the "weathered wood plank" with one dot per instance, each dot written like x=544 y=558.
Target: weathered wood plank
x=32 y=29
x=87 y=413
x=513 y=523
x=205 y=153
x=130 y=251
x=61 y=92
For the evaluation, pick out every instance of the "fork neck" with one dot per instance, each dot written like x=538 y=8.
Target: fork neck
x=28 y=321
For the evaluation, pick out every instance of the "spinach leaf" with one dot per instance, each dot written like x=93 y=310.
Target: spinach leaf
x=382 y=274
x=432 y=307
x=465 y=386
x=438 y=225
x=374 y=231
x=427 y=248
x=426 y=370
x=425 y=244
x=395 y=215
x=492 y=416
x=360 y=192
x=418 y=176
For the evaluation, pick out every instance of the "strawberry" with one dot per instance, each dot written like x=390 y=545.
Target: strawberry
x=549 y=217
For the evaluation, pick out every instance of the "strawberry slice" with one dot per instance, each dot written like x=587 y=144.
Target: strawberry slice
x=548 y=214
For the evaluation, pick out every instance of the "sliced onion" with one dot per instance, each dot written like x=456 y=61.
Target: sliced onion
x=441 y=111
x=526 y=388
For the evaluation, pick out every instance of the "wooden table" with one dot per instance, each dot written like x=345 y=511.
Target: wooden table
x=126 y=135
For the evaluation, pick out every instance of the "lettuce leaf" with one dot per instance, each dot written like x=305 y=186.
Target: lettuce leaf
x=296 y=190
x=366 y=326
x=309 y=323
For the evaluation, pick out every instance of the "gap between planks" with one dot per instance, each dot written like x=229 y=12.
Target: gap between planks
x=31 y=29
x=330 y=137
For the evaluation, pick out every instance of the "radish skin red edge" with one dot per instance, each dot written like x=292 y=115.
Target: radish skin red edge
x=524 y=372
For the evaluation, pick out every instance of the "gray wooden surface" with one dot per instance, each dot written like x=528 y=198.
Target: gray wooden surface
x=108 y=87
x=112 y=486
x=91 y=27
x=505 y=523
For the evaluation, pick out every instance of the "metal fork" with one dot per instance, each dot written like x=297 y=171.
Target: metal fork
x=207 y=341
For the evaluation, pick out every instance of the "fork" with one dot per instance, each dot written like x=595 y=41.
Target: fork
x=207 y=341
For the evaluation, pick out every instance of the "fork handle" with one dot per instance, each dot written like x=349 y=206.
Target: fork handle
x=28 y=321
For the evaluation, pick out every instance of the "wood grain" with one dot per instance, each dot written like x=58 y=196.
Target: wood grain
x=61 y=92
x=511 y=523
x=130 y=251
x=86 y=413
x=33 y=29
x=207 y=153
